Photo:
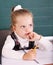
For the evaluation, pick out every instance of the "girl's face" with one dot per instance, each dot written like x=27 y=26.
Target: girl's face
x=24 y=25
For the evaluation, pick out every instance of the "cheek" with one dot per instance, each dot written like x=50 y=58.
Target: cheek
x=31 y=29
x=20 y=32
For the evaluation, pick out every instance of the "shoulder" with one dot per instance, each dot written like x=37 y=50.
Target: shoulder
x=9 y=41
x=9 y=38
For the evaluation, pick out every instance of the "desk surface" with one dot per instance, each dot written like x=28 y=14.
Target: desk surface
x=43 y=57
x=48 y=64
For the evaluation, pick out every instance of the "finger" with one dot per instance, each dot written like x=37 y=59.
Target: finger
x=31 y=35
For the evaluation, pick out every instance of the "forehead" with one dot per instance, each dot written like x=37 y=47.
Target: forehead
x=24 y=19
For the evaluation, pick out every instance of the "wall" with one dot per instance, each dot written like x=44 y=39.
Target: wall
x=41 y=9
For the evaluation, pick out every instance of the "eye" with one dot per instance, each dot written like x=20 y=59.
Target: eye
x=30 y=24
x=23 y=26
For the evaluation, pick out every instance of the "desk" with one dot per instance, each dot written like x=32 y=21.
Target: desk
x=43 y=57
x=48 y=64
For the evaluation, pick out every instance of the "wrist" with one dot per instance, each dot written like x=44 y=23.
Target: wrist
x=40 y=37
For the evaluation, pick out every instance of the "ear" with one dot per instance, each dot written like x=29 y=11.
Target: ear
x=14 y=28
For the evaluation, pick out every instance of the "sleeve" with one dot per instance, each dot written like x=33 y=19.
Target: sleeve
x=8 y=52
x=44 y=44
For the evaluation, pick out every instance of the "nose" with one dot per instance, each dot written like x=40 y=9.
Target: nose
x=28 y=29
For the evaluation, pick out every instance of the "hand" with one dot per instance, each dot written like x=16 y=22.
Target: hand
x=30 y=55
x=33 y=36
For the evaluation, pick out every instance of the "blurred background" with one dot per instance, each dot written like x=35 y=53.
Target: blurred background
x=41 y=9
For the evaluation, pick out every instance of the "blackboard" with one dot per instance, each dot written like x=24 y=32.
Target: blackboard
x=41 y=9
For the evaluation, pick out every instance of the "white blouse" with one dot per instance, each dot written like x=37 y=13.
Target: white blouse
x=8 y=52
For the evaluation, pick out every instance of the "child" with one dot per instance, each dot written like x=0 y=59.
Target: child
x=22 y=37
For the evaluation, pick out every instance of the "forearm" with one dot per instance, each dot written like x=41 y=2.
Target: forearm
x=45 y=44
x=8 y=53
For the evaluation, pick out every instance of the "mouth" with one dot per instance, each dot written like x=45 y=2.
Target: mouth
x=27 y=33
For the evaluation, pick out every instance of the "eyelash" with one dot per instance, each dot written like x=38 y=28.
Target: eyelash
x=23 y=26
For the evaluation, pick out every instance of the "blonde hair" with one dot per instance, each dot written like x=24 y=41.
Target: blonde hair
x=17 y=13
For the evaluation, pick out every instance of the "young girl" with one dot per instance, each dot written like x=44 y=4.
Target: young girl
x=23 y=38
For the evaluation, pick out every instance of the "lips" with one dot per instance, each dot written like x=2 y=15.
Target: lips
x=27 y=33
